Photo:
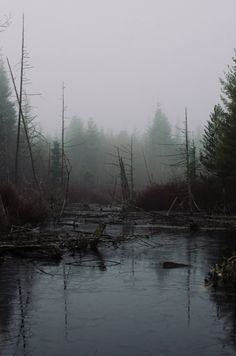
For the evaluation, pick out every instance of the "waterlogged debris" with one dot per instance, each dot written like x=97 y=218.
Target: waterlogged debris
x=31 y=250
x=222 y=273
x=50 y=244
x=94 y=263
x=171 y=264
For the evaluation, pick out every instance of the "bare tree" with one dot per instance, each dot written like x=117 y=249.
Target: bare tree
x=188 y=173
x=20 y=101
x=63 y=135
x=25 y=129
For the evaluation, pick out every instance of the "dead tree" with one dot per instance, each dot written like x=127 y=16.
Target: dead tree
x=20 y=101
x=21 y=116
x=188 y=171
x=131 y=170
x=128 y=158
x=149 y=176
x=25 y=129
x=63 y=135
x=123 y=178
x=187 y=161
x=68 y=168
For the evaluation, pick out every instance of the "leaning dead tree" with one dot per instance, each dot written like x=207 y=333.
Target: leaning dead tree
x=123 y=177
x=21 y=116
x=128 y=161
x=25 y=128
x=124 y=162
x=149 y=175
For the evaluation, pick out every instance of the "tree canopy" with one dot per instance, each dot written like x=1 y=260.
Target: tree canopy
x=219 y=140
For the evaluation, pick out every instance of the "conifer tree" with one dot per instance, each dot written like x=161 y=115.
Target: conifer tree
x=227 y=151
x=212 y=140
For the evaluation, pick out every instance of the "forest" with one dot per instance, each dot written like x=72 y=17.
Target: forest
x=113 y=240
x=162 y=167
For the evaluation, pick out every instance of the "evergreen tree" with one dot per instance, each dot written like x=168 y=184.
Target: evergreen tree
x=212 y=141
x=93 y=158
x=159 y=146
x=227 y=152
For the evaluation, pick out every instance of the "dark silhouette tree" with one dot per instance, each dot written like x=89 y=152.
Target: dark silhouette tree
x=211 y=142
x=227 y=151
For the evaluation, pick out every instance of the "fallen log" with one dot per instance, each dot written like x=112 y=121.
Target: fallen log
x=51 y=251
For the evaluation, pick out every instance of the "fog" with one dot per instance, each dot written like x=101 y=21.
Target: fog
x=119 y=59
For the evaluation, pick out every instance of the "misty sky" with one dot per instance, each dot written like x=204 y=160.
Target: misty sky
x=119 y=58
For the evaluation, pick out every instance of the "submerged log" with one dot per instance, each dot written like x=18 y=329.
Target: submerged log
x=171 y=264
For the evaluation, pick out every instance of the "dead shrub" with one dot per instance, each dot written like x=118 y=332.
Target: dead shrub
x=208 y=194
x=25 y=207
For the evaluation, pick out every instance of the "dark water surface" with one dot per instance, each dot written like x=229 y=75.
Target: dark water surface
x=120 y=301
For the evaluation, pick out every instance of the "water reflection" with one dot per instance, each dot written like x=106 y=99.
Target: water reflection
x=116 y=301
x=16 y=280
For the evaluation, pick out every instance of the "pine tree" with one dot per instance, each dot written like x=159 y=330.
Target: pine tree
x=227 y=151
x=212 y=141
x=159 y=146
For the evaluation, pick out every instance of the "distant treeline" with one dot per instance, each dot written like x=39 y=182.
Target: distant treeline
x=157 y=156
x=92 y=152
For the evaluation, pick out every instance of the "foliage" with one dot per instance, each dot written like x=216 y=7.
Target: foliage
x=212 y=141
x=218 y=155
x=160 y=147
x=227 y=153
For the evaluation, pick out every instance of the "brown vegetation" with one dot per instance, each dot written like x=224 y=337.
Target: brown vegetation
x=207 y=194
x=22 y=207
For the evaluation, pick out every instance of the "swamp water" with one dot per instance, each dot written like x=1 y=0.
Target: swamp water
x=120 y=301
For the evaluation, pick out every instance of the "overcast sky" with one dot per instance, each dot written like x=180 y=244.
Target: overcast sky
x=119 y=58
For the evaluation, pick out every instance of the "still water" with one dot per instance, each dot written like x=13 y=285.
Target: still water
x=120 y=301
